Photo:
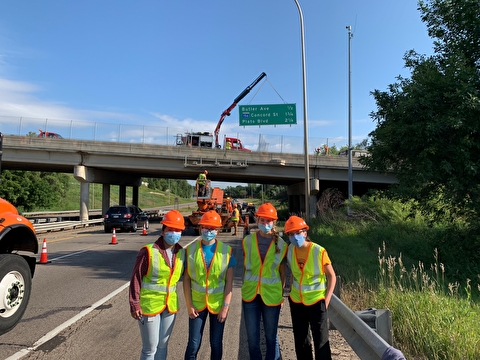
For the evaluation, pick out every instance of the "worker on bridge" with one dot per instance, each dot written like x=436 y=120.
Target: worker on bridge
x=201 y=184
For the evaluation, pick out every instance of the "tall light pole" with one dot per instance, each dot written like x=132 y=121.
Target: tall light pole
x=350 y=172
x=305 y=123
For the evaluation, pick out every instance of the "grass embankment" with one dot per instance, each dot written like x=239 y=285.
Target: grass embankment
x=147 y=198
x=428 y=276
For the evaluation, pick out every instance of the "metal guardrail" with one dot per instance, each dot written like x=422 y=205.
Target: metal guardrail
x=366 y=343
x=46 y=221
x=64 y=225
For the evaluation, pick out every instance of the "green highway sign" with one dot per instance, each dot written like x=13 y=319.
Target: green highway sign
x=273 y=114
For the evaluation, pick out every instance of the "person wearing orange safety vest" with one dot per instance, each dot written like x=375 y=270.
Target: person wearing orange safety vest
x=312 y=283
x=153 y=287
x=207 y=286
x=263 y=281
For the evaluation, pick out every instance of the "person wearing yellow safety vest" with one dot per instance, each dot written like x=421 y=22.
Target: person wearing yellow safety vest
x=235 y=218
x=153 y=287
x=201 y=184
x=312 y=283
x=207 y=286
x=263 y=281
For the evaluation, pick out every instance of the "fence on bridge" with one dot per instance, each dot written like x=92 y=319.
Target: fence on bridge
x=156 y=135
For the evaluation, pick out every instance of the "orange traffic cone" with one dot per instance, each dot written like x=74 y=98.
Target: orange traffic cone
x=114 y=237
x=43 y=255
x=144 y=232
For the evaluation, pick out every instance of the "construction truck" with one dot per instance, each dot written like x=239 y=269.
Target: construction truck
x=217 y=202
x=209 y=140
x=17 y=242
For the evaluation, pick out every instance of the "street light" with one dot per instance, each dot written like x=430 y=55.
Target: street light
x=305 y=123
x=350 y=172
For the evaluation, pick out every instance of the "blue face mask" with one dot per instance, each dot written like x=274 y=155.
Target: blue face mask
x=297 y=239
x=208 y=235
x=265 y=228
x=172 y=237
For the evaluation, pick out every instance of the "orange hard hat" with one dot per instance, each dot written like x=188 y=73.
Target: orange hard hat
x=268 y=211
x=211 y=218
x=174 y=219
x=294 y=224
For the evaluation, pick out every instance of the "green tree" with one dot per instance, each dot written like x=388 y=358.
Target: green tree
x=29 y=190
x=428 y=129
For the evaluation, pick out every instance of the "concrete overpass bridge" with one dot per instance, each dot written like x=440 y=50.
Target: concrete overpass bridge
x=124 y=164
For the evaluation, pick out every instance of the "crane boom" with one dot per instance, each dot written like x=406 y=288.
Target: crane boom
x=235 y=102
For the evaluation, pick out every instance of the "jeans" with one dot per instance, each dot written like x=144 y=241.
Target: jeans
x=253 y=312
x=195 y=333
x=155 y=332
x=313 y=317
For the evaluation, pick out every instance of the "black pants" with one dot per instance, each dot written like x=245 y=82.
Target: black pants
x=312 y=317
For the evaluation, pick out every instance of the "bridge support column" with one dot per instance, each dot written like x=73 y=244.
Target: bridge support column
x=296 y=200
x=135 y=195
x=105 y=198
x=84 y=195
x=122 y=195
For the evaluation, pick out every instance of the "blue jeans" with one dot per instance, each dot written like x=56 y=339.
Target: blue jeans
x=195 y=333
x=155 y=332
x=253 y=312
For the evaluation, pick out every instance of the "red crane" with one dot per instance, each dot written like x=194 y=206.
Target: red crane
x=235 y=102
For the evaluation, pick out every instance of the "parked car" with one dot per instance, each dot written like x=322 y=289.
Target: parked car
x=124 y=217
x=47 y=134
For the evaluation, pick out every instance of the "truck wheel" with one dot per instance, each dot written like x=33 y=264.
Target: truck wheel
x=15 y=288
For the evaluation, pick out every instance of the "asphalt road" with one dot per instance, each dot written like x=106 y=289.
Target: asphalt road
x=86 y=270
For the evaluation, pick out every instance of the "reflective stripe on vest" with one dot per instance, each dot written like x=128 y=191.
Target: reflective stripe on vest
x=262 y=278
x=159 y=285
x=208 y=285
x=309 y=283
x=235 y=215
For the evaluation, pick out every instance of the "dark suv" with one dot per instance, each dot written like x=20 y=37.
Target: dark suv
x=128 y=217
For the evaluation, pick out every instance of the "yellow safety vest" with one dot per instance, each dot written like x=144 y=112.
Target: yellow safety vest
x=309 y=283
x=208 y=285
x=262 y=278
x=235 y=215
x=201 y=179
x=159 y=285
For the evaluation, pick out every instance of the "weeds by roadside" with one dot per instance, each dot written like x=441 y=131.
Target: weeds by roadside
x=380 y=253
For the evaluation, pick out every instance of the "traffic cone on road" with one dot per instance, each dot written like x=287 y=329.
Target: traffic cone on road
x=114 y=237
x=144 y=232
x=43 y=255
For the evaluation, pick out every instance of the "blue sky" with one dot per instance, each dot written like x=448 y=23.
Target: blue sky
x=181 y=63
